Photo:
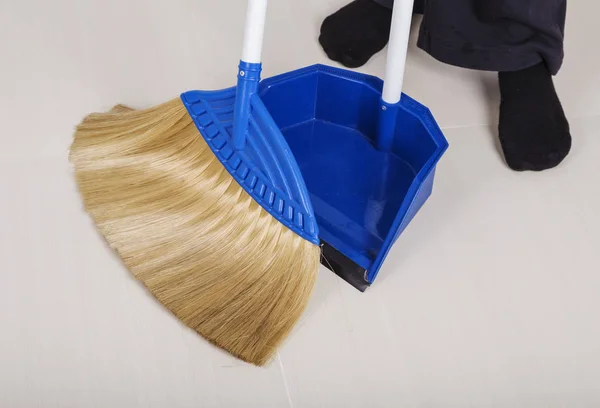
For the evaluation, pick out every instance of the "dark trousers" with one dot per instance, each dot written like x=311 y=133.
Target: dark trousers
x=493 y=35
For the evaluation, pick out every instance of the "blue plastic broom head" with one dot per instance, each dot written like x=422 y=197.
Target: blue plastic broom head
x=243 y=136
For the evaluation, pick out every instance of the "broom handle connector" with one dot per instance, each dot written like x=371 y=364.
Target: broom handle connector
x=254 y=31
x=249 y=70
x=394 y=74
x=397 y=49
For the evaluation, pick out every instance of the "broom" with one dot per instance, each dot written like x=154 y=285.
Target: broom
x=221 y=253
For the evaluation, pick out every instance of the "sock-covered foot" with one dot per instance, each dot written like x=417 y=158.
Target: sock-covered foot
x=356 y=32
x=534 y=131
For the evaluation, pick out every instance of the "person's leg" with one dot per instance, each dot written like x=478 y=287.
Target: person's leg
x=494 y=35
x=356 y=32
x=533 y=130
x=523 y=40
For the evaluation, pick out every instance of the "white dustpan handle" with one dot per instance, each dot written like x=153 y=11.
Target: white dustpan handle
x=396 y=54
x=254 y=31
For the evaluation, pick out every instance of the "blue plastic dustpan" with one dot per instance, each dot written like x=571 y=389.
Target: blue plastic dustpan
x=363 y=198
x=335 y=155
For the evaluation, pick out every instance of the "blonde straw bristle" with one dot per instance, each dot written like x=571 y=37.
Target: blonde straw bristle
x=186 y=229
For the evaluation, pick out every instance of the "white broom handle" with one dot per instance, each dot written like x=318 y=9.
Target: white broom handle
x=254 y=31
x=397 y=48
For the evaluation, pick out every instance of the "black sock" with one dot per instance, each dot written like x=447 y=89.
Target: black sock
x=356 y=32
x=533 y=129
x=418 y=6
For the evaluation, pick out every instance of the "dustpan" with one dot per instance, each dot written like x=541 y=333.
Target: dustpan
x=360 y=155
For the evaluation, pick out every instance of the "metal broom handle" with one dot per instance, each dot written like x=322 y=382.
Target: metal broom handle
x=397 y=48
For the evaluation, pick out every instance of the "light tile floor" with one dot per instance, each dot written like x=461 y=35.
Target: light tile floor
x=491 y=297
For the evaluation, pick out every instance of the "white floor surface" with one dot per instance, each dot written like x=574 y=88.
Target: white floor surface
x=490 y=298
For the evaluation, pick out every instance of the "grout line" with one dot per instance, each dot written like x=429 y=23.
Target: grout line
x=476 y=125
x=285 y=383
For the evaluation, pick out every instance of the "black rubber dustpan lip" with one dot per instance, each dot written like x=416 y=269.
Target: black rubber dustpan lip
x=344 y=267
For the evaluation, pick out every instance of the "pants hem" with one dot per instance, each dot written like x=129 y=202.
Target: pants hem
x=480 y=58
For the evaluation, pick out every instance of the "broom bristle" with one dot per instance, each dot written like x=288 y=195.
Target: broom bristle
x=187 y=230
